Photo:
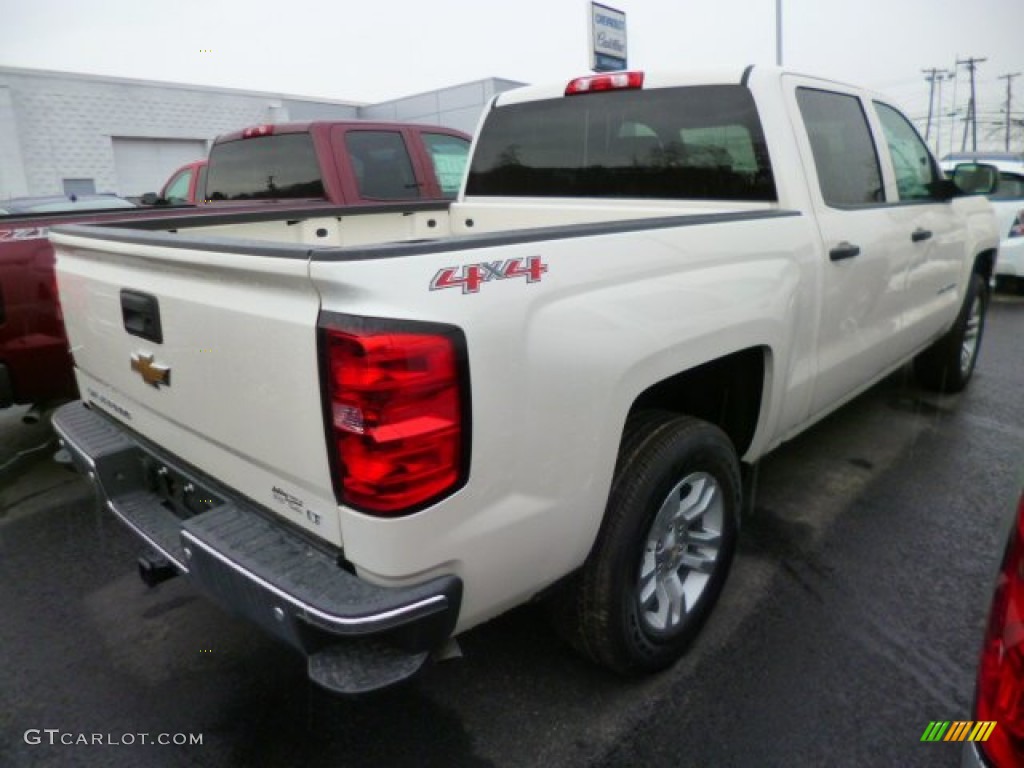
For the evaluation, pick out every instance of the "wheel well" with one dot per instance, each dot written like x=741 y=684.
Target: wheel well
x=726 y=392
x=984 y=264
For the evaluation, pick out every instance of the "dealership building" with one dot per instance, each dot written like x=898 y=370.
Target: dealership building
x=64 y=133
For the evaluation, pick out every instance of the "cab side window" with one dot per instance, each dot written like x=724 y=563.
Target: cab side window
x=844 y=152
x=449 y=155
x=911 y=160
x=177 y=190
x=382 y=165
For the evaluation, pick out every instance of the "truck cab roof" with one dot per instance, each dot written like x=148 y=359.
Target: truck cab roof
x=314 y=126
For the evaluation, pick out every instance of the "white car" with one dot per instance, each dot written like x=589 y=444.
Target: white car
x=1008 y=201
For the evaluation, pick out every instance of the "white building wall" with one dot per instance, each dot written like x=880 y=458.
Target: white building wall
x=459 y=106
x=12 y=166
x=63 y=125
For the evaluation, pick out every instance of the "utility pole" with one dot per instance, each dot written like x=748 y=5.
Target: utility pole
x=972 y=110
x=934 y=75
x=944 y=75
x=953 y=110
x=1008 y=79
x=930 y=75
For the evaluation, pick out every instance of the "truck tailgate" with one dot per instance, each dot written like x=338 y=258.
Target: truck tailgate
x=213 y=355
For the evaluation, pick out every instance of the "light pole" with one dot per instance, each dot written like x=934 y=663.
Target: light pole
x=778 y=33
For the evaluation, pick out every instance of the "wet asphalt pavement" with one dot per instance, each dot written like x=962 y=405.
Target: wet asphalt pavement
x=851 y=620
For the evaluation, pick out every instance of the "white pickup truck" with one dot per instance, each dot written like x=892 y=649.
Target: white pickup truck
x=371 y=431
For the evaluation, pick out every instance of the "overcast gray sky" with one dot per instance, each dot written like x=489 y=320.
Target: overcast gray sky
x=374 y=50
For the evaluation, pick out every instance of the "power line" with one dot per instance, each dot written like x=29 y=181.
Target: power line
x=992 y=118
x=971 y=64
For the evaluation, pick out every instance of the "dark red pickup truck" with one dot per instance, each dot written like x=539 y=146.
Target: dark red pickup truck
x=35 y=363
x=306 y=166
x=346 y=163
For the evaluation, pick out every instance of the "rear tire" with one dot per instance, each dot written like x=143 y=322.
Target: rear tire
x=948 y=364
x=664 y=549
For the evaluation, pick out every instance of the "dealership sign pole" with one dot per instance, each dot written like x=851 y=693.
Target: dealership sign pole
x=607 y=38
x=778 y=33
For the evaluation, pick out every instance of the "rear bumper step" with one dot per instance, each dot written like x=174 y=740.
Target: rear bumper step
x=357 y=636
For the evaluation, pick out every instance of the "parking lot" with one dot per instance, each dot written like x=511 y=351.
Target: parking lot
x=851 y=620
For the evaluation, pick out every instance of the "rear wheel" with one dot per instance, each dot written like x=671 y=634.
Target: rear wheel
x=947 y=365
x=664 y=549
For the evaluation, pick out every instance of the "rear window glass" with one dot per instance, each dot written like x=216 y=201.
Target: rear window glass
x=282 y=166
x=702 y=142
x=177 y=190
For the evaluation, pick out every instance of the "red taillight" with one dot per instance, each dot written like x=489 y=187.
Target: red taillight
x=395 y=407
x=1000 y=695
x=258 y=130
x=613 y=81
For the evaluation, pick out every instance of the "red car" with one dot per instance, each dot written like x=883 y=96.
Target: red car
x=999 y=696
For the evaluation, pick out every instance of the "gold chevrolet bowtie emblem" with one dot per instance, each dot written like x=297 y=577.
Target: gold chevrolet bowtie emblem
x=152 y=373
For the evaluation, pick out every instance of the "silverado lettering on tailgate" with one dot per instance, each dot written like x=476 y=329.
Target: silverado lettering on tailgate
x=295 y=504
x=106 y=402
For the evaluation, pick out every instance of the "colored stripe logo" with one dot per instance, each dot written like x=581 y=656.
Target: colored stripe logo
x=958 y=730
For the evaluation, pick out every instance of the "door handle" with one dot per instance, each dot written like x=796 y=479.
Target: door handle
x=919 y=235
x=844 y=250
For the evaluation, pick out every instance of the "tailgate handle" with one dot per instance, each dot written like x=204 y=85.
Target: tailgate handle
x=141 y=315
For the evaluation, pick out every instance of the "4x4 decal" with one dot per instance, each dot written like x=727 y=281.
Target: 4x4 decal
x=470 y=277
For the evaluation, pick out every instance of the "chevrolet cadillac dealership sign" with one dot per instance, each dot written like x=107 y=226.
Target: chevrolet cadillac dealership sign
x=607 y=38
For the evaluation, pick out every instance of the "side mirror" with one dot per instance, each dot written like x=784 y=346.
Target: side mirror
x=976 y=178
x=150 y=198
